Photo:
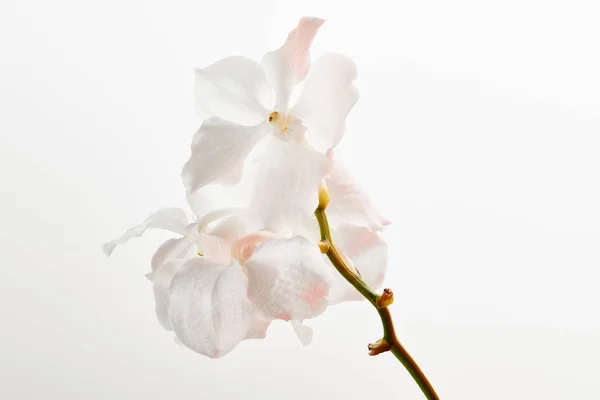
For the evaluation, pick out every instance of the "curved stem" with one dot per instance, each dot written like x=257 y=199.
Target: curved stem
x=389 y=334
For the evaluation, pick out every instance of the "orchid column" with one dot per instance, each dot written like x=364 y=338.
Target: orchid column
x=259 y=251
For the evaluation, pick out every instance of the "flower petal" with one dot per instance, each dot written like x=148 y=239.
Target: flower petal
x=349 y=204
x=258 y=328
x=327 y=97
x=235 y=89
x=286 y=187
x=304 y=333
x=219 y=149
x=214 y=197
x=369 y=255
x=208 y=307
x=218 y=230
x=172 y=249
x=288 y=279
x=289 y=65
x=171 y=219
x=161 y=283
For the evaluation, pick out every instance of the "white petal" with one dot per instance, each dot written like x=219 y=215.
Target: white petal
x=208 y=307
x=286 y=187
x=171 y=219
x=161 y=283
x=214 y=197
x=234 y=89
x=228 y=224
x=368 y=253
x=214 y=247
x=219 y=150
x=288 y=279
x=327 y=97
x=172 y=249
x=164 y=253
x=220 y=230
x=349 y=203
x=304 y=333
x=289 y=65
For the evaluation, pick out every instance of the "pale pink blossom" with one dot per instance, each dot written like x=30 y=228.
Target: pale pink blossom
x=247 y=103
x=218 y=284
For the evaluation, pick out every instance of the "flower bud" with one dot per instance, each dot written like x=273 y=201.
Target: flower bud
x=323 y=196
x=324 y=246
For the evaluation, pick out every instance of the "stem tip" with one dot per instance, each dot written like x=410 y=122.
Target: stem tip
x=323 y=196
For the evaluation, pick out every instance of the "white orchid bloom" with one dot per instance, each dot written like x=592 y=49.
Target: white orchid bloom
x=217 y=284
x=247 y=103
x=349 y=204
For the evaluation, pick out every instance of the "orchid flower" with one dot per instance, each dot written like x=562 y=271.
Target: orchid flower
x=218 y=284
x=248 y=103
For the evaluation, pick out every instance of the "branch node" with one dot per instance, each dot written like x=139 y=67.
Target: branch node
x=380 y=346
x=385 y=299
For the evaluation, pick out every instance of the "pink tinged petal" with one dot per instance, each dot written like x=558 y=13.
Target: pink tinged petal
x=243 y=248
x=171 y=219
x=369 y=254
x=367 y=250
x=161 y=283
x=258 y=328
x=327 y=97
x=220 y=230
x=208 y=306
x=234 y=89
x=219 y=150
x=341 y=290
x=286 y=186
x=304 y=333
x=288 y=279
x=289 y=65
x=349 y=203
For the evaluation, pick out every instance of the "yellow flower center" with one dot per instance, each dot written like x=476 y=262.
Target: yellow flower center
x=281 y=123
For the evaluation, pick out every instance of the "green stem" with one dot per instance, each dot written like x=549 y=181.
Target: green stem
x=389 y=333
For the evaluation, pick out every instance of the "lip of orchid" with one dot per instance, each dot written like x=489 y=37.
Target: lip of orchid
x=243 y=248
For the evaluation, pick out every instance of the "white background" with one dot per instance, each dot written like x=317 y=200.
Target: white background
x=477 y=134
